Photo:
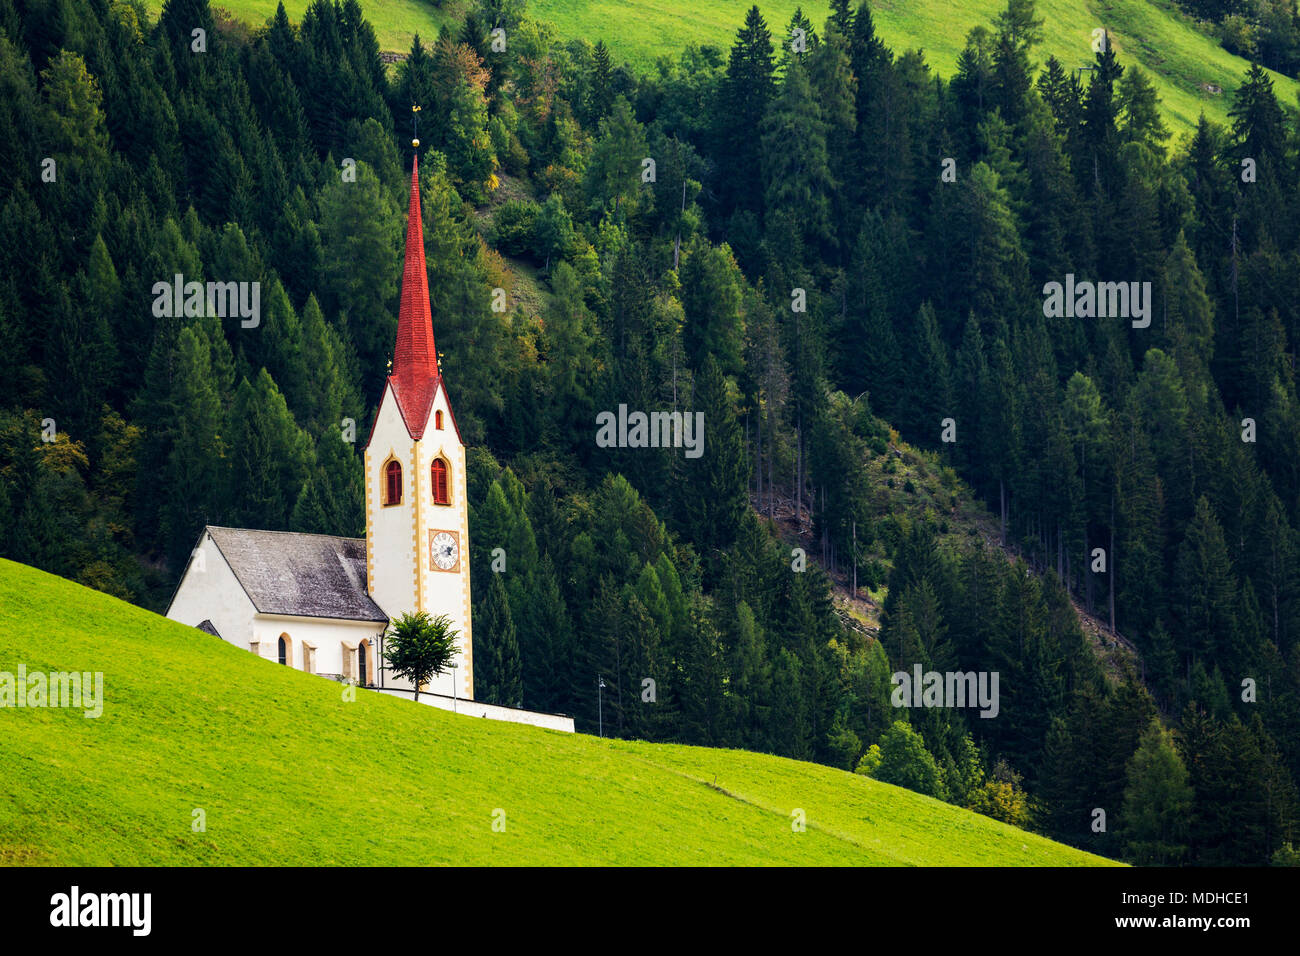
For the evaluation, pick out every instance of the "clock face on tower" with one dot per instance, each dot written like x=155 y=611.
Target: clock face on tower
x=444 y=550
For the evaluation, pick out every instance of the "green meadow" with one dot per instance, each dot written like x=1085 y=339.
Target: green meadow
x=1187 y=66
x=286 y=771
x=1162 y=41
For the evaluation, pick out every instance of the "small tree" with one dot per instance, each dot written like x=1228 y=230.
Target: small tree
x=420 y=647
x=1157 y=801
x=901 y=759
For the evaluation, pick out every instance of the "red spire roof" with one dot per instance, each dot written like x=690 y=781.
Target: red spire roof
x=414 y=375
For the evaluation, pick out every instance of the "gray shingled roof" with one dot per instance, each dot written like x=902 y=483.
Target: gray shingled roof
x=207 y=627
x=305 y=575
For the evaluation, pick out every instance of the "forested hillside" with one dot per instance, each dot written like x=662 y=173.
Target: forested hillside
x=810 y=248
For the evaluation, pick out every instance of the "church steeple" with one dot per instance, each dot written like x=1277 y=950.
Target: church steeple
x=414 y=373
x=417 y=503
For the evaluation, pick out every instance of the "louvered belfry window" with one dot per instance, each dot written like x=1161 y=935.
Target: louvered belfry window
x=441 y=494
x=393 y=483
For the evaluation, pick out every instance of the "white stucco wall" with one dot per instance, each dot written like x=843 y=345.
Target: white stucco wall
x=211 y=592
x=326 y=634
x=402 y=575
x=390 y=530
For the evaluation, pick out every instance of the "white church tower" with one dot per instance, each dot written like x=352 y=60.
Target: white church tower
x=417 y=516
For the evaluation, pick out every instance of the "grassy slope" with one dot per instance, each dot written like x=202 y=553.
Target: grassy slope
x=1152 y=34
x=394 y=21
x=1149 y=32
x=290 y=773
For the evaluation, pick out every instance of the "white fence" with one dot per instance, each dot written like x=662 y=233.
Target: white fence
x=474 y=708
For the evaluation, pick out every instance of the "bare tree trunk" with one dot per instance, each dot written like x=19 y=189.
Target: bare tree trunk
x=675 y=381
x=1087 y=571
x=1060 y=552
x=826 y=554
x=771 y=480
x=1002 y=498
x=1110 y=560
x=677 y=244
x=798 y=472
x=855 y=559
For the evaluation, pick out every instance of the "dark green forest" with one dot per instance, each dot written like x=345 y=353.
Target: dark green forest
x=814 y=226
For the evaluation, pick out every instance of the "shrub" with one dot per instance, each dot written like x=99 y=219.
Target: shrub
x=1286 y=855
x=1238 y=36
x=511 y=152
x=514 y=226
x=1002 y=798
x=905 y=762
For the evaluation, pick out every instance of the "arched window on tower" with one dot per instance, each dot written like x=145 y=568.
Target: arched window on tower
x=437 y=419
x=441 y=482
x=393 y=483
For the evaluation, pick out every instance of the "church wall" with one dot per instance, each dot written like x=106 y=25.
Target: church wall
x=390 y=530
x=445 y=592
x=211 y=592
x=326 y=634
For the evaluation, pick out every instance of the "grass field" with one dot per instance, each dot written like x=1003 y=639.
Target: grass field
x=287 y=772
x=1152 y=33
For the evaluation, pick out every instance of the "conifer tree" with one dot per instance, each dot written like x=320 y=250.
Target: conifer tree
x=742 y=102
x=600 y=96
x=270 y=457
x=713 y=293
x=1139 y=112
x=713 y=487
x=497 y=678
x=359 y=225
x=1157 y=801
x=1018 y=31
x=795 y=161
x=198 y=450
x=1206 y=586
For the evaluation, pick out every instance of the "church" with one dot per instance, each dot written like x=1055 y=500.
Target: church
x=320 y=603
